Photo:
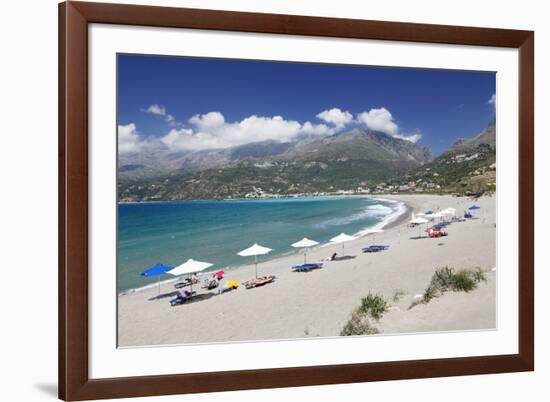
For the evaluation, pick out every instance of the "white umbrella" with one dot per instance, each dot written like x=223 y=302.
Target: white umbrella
x=254 y=250
x=342 y=238
x=190 y=267
x=305 y=243
x=419 y=221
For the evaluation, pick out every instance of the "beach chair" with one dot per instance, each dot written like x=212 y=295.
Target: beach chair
x=264 y=280
x=468 y=215
x=435 y=233
x=259 y=281
x=229 y=286
x=185 y=282
x=182 y=297
x=375 y=248
x=307 y=267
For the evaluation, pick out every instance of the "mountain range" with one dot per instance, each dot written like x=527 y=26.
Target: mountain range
x=350 y=161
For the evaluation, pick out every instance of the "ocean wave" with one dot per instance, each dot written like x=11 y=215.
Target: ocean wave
x=379 y=209
x=375 y=211
x=398 y=208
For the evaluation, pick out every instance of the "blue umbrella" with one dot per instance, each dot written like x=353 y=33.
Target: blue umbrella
x=472 y=207
x=157 y=270
x=430 y=212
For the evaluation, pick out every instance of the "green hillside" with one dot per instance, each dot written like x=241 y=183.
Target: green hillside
x=468 y=167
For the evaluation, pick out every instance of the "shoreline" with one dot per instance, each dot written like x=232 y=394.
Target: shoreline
x=284 y=197
x=393 y=221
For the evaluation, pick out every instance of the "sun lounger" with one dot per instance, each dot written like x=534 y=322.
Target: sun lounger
x=182 y=297
x=184 y=283
x=435 y=233
x=375 y=248
x=229 y=286
x=306 y=267
x=259 y=281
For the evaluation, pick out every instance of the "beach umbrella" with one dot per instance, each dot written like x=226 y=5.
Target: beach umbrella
x=429 y=212
x=157 y=270
x=305 y=243
x=342 y=238
x=449 y=211
x=419 y=221
x=190 y=267
x=254 y=250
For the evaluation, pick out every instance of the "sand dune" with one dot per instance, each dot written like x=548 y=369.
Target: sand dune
x=318 y=303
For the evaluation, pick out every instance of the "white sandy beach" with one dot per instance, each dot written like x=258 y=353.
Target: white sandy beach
x=318 y=303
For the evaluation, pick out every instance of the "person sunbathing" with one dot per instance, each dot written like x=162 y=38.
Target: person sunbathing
x=213 y=284
x=182 y=298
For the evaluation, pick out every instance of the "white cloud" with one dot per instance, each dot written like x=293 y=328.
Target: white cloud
x=493 y=100
x=336 y=117
x=175 y=137
x=211 y=131
x=208 y=121
x=156 y=109
x=412 y=137
x=379 y=120
x=382 y=120
x=160 y=111
x=128 y=139
x=317 y=129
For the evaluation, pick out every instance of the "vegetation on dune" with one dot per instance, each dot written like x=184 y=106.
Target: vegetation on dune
x=371 y=308
x=373 y=305
x=448 y=279
x=359 y=324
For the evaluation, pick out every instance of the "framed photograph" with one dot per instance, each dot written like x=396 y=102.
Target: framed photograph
x=260 y=200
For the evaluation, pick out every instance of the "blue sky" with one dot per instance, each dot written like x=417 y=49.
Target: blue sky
x=190 y=103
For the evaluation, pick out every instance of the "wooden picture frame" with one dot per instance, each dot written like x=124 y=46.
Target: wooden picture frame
x=74 y=381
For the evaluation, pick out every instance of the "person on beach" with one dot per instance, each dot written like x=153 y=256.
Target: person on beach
x=331 y=258
x=212 y=283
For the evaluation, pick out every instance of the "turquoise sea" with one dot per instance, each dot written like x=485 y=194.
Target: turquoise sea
x=214 y=231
